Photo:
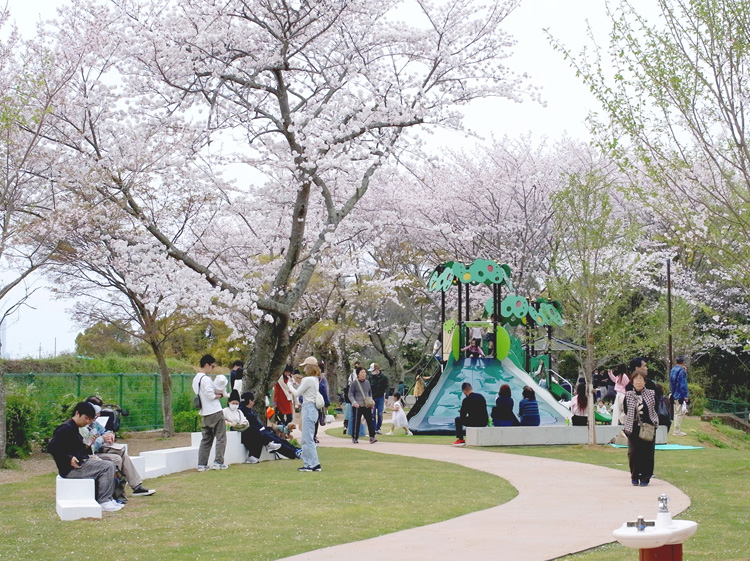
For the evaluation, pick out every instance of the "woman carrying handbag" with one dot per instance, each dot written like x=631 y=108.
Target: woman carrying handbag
x=361 y=397
x=640 y=427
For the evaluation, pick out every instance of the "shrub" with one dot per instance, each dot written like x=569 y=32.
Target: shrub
x=697 y=399
x=21 y=421
x=187 y=421
x=181 y=402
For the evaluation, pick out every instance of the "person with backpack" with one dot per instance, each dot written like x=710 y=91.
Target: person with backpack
x=212 y=417
x=678 y=387
x=102 y=443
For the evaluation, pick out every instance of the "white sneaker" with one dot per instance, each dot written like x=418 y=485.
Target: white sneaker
x=252 y=460
x=202 y=468
x=389 y=433
x=273 y=446
x=217 y=465
x=409 y=433
x=111 y=506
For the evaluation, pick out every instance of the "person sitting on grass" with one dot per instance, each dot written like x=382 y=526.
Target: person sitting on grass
x=473 y=413
x=102 y=443
x=73 y=460
x=257 y=435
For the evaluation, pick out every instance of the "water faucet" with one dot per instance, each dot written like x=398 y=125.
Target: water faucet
x=663 y=500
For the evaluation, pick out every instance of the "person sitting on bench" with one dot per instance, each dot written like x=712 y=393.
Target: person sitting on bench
x=102 y=443
x=73 y=461
x=473 y=413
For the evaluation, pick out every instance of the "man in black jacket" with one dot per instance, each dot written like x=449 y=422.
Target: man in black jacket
x=473 y=413
x=73 y=460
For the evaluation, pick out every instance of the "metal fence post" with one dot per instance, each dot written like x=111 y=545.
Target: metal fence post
x=78 y=384
x=121 y=376
x=156 y=401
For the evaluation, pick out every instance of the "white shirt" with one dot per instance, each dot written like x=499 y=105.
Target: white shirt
x=210 y=404
x=234 y=417
x=308 y=389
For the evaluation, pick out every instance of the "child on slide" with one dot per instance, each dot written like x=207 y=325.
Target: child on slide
x=398 y=419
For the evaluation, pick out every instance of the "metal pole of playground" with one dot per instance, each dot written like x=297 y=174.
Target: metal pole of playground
x=669 y=310
x=460 y=326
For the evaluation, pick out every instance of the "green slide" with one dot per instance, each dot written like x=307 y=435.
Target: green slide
x=486 y=375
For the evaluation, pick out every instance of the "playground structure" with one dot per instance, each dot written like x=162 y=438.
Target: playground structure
x=435 y=410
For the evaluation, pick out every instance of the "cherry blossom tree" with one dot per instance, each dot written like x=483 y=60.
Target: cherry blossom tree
x=30 y=201
x=322 y=95
x=121 y=280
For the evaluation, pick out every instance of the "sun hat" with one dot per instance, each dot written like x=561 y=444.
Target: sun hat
x=311 y=360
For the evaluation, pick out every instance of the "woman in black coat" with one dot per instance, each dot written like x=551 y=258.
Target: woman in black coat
x=640 y=404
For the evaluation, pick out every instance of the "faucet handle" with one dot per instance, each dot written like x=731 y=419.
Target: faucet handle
x=663 y=500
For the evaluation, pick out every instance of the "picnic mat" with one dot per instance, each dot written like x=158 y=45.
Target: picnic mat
x=665 y=447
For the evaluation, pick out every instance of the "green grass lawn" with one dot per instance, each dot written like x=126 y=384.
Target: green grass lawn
x=716 y=478
x=269 y=510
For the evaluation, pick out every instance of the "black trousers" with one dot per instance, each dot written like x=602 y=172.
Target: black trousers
x=460 y=428
x=358 y=413
x=255 y=439
x=641 y=457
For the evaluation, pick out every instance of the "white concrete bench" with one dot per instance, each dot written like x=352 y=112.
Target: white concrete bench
x=166 y=461
x=235 y=452
x=546 y=435
x=76 y=498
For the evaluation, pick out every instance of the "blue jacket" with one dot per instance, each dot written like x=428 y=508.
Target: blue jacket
x=678 y=382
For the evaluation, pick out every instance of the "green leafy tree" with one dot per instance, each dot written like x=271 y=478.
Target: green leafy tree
x=591 y=259
x=104 y=338
x=674 y=95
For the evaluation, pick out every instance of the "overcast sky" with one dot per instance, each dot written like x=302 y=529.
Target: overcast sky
x=44 y=327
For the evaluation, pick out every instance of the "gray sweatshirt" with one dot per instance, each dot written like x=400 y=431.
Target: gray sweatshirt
x=356 y=396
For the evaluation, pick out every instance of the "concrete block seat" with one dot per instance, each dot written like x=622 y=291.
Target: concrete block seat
x=76 y=498
x=235 y=452
x=169 y=460
x=546 y=435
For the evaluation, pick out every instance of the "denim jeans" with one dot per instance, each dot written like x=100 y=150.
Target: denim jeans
x=378 y=412
x=309 y=450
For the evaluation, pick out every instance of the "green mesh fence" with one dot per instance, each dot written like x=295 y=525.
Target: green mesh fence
x=139 y=395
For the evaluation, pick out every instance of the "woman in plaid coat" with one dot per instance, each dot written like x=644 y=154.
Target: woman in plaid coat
x=640 y=406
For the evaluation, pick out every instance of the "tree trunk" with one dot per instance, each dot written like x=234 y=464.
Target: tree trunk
x=588 y=368
x=166 y=392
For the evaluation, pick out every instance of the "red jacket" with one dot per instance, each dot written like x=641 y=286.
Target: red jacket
x=284 y=405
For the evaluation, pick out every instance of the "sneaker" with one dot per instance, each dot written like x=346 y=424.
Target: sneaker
x=202 y=468
x=217 y=465
x=409 y=433
x=252 y=460
x=644 y=483
x=635 y=482
x=378 y=432
x=142 y=492
x=317 y=468
x=390 y=433
x=273 y=446
x=355 y=441
x=305 y=468
x=298 y=454
x=459 y=442
x=373 y=440
x=110 y=506
x=679 y=433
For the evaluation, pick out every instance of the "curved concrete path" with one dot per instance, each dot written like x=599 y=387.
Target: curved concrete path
x=561 y=508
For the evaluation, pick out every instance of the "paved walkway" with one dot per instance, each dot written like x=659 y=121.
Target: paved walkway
x=561 y=508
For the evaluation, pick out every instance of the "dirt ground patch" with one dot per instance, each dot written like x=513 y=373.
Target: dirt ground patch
x=41 y=463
